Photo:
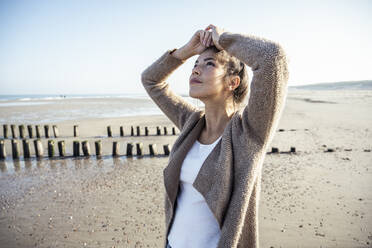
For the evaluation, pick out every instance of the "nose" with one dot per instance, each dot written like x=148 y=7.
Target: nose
x=195 y=71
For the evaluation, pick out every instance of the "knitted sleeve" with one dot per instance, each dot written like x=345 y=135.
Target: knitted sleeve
x=268 y=87
x=154 y=79
x=259 y=119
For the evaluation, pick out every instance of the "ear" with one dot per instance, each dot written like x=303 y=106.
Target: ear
x=234 y=83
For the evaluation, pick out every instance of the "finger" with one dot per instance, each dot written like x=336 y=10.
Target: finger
x=202 y=37
x=209 y=42
x=200 y=34
x=206 y=38
x=210 y=39
x=205 y=41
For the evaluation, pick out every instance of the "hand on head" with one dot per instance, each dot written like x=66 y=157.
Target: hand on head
x=215 y=33
x=203 y=39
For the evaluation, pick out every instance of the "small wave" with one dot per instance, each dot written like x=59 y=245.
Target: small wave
x=10 y=104
x=41 y=98
x=30 y=98
x=23 y=98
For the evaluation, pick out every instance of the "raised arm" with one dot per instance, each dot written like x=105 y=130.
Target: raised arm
x=269 y=83
x=259 y=120
x=154 y=80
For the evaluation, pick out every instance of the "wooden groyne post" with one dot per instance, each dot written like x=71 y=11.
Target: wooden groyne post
x=37 y=130
x=115 y=148
x=55 y=131
x=109 y=131
x=166 y=149
x=13 y=127
x=86 y=148
x=158 y=131
x=129 y=149
x=274 y=150
x=26 y=148
x=5 y=131
x=21 y=129
x=61 y=148
x=76 y=148
x=15 y=149
x=139 y=147
x=76 y=130
x=50 y=148
x=46 y=131
x=153 y=151
x=38 y=148
x=29 y=129
x=98 y=146
x=2 y=150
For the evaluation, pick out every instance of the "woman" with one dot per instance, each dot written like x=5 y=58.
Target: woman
x=213 y=177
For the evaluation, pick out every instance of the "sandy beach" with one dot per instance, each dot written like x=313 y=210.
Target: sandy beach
x=311 y=198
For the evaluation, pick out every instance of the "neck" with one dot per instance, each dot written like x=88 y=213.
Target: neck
x=217 y=116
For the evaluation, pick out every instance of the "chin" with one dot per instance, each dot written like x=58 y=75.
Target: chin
x=193 y=95
x=200 y=95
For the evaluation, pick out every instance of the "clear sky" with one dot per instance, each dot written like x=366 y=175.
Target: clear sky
x=99 y=47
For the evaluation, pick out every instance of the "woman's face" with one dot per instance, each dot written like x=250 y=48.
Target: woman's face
x=209 y=72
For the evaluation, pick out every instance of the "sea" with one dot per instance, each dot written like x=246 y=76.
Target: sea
x=43 y=109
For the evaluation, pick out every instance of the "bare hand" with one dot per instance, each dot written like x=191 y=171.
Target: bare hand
x=199 y=42
x=216 y=33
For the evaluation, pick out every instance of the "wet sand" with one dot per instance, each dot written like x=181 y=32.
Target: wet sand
x=311 y=198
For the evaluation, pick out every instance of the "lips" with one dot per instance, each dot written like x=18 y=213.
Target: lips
x=195 y=81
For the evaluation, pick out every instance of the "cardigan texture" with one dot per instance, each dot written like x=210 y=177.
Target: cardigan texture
x=230 y=177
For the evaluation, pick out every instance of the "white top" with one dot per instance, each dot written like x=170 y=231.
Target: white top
x=194 y=224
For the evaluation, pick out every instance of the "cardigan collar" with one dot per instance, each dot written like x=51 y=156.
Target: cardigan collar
x=189 y=135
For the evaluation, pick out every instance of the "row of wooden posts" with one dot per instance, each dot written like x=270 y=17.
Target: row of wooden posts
x=138 y=131
x=39 y=151
x=22 y=131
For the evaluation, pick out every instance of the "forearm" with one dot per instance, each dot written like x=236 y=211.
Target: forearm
x=154 y=81
x=252 y=50
x=182 y=53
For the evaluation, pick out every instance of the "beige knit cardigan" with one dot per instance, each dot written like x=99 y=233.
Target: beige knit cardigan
x=230 y=177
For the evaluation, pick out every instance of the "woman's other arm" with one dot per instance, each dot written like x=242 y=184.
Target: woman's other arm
x=259 y=118
x=268 y=87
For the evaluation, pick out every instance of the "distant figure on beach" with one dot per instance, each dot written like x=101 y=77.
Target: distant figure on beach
x=213 y=177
